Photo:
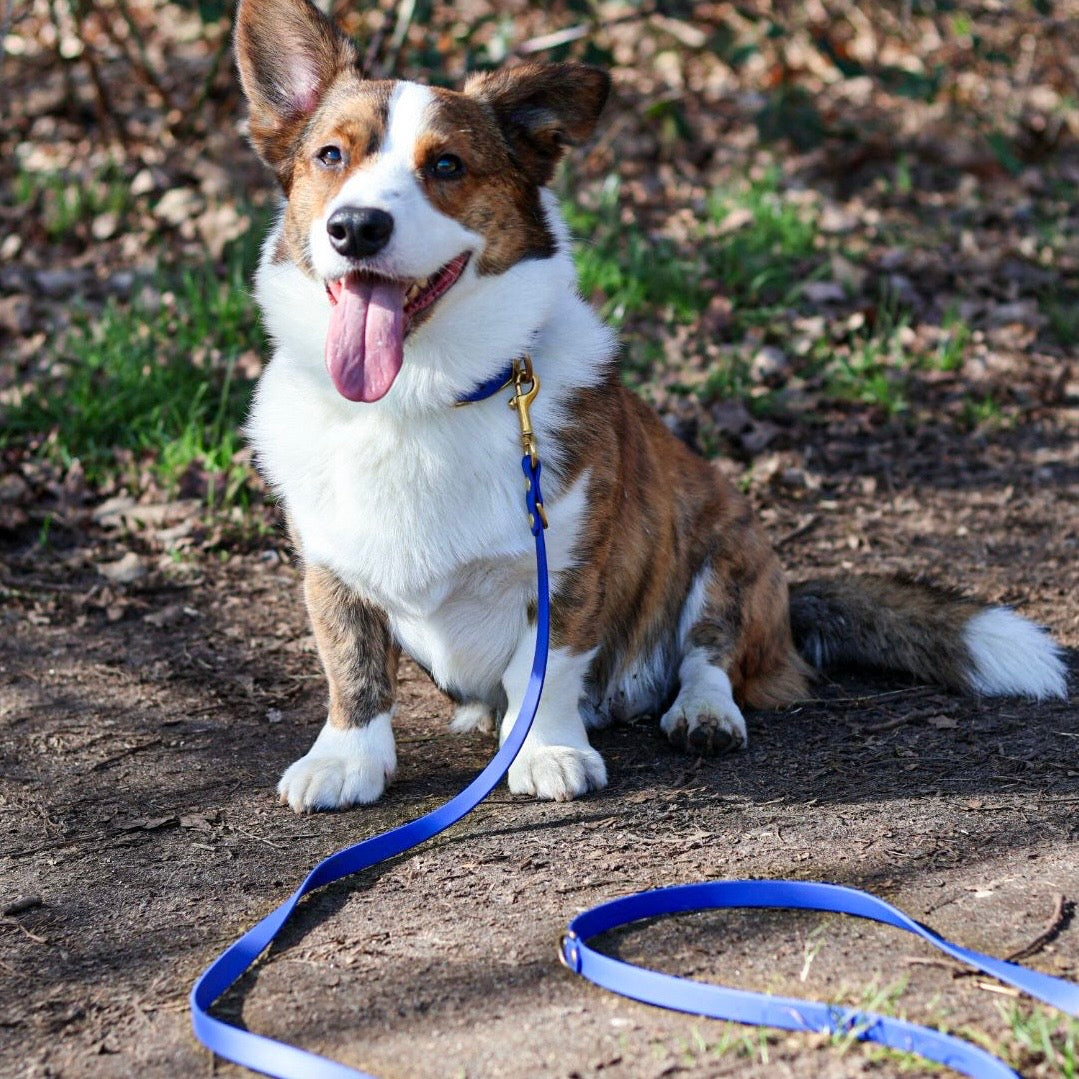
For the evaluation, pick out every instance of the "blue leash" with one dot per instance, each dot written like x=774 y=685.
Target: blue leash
x=789 y=1013
x=274 y=1058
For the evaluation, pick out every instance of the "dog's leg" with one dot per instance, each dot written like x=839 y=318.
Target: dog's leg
x=735 y=642
x=354 y=755
x=704 y=717
x=556 y=761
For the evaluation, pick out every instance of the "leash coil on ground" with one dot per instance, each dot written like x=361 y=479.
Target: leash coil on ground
x=274 y=1058
x=761 y=1009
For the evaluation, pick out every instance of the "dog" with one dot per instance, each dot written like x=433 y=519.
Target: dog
x=419 y=251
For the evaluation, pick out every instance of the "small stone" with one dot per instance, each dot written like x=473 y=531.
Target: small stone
x=13 y=488
x=16 y=315
x=58 y=284
x=167 y=616
x=823 y=292
x=178 y=206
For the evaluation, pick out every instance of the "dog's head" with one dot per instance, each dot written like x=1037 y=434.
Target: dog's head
x=399 y=195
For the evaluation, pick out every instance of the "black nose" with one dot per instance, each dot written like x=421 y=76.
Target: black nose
x=359 y=232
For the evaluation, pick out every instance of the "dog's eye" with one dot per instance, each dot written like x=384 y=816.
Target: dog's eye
x=447 y=167
x=330 y=156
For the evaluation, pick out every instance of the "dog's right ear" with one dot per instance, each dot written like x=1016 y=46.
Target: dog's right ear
x=288 y=53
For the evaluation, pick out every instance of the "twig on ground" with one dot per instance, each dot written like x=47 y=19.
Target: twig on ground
x=18 y=925
x=107 y=115
x=127 y=751
x=207 y=87
x=1062 y=915
x=800 y=529
x=259 y=838
x=405 y=14
x=136 y=52
x=23 y=903
x=565 y=36
x=947 y=964
x=371 y=67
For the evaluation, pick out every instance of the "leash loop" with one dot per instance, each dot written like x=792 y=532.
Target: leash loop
x=760 y=1009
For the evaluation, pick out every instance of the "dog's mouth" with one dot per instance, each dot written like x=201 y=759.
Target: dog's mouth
x=370 y=318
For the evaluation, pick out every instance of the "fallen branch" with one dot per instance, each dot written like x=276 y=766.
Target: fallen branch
x=1062 y=915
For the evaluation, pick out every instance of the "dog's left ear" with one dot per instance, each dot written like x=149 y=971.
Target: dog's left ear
x=288 y=53
x=542 y=109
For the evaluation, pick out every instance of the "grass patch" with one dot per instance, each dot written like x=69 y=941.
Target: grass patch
x=1062 y=312
x=155 y=379
x=625 y=269
x=760 y=247
x=1045 y=1037
x=870 y=370
x=63 y=202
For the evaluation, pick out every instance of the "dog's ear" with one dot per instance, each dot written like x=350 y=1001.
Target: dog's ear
x=288 y=53
x=542 y=109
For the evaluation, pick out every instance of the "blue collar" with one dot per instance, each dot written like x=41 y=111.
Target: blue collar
x=488 y=388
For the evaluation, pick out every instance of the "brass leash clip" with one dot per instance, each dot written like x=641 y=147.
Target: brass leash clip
x=526 y=385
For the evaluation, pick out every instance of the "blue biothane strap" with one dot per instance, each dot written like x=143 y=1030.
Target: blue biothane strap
x=788 y=1013
x=274 y=1058
x=284 y=1061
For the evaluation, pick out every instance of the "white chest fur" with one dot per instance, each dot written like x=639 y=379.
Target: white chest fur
x=424 y=516
x=395 y=509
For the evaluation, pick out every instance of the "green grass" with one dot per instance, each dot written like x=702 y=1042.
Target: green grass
x=1036 y=1038
x=1062 y=312
x=1043 y=1036
x=757 y=247
x=63 y=201
x=951 y=350
x=646 y=284
x=630 y=271
x=871 y=369
x=154 y=381
x=762 y=263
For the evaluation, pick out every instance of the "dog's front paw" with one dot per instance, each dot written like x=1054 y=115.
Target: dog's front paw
x=343 y=768
x=705 y=726
x=557 y=773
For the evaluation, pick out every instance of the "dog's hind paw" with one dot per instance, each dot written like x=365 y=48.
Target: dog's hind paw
x=557 y=773
x=706 y=727
x=704 y=717
x=343 y=768
x=474 y=716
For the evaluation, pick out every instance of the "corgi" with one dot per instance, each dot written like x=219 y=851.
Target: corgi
x=417 y=253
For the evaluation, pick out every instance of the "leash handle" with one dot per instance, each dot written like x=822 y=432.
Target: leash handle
x=788 y=1013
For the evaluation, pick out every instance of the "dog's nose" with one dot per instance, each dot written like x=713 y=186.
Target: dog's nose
x=359 y=232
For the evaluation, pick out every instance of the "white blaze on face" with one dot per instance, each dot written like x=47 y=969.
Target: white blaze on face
x=365 y=342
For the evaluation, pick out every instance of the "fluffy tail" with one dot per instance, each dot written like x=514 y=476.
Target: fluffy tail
x=934 y=634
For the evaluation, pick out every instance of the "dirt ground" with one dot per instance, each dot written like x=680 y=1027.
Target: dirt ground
x=149 y=702
x=144 y=729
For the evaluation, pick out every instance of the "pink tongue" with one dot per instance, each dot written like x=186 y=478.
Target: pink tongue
x=365 y=343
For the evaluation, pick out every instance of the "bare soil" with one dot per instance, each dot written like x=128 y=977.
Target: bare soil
x=144 y=726
x=149 y=703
